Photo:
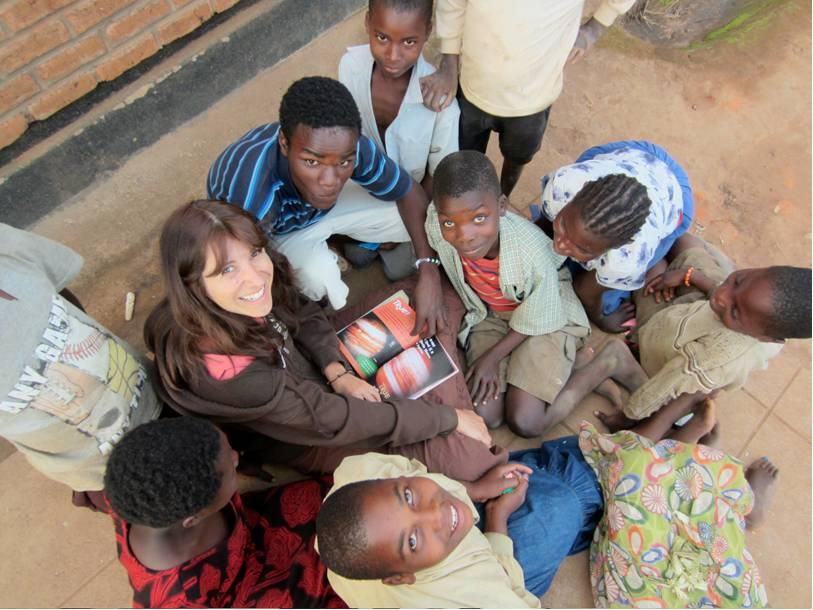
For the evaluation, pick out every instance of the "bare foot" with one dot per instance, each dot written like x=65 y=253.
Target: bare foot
x=712 y=438
x=607 y=388
x=761 y=475
x=615 y=421
x=705 y=416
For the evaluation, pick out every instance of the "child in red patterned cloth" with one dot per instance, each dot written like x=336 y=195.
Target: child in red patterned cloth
x=187 y=538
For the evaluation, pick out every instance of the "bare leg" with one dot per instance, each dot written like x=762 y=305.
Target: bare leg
x=527 y=415
x=613 y=361
x=705 y=416
x=492 y=411
x=712 y=438
x=607 y=388
x=658 y=425
x=761 y=475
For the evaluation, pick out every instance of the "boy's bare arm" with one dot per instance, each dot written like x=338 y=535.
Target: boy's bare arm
x=430 y=315
x=589 y=33
x=502 y=507
x=440 y=88
x=428 y=183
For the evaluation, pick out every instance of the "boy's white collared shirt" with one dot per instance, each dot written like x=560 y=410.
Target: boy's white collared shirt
x=418 y=136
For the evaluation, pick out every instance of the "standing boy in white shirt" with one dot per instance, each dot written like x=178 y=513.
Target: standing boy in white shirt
x=510 y=56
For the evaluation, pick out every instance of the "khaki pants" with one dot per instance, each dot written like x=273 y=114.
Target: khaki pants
x=356 y=214
x=541 y=364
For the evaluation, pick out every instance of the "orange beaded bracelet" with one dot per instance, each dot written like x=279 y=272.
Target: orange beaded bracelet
x=687 y=278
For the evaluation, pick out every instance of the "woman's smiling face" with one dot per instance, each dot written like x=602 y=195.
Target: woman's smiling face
x=241 y=282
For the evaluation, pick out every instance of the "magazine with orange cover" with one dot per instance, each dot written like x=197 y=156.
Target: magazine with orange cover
x=381 y=350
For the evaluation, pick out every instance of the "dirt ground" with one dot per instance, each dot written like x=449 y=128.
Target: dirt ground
x=736 y=116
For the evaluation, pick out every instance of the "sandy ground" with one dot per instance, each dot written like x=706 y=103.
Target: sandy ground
x=736 y=116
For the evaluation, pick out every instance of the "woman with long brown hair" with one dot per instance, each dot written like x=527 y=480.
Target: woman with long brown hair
x=235 y=342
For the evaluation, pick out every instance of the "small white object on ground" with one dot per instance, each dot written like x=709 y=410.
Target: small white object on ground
x=129 y=306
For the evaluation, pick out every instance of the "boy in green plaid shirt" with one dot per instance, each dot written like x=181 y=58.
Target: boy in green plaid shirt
x=524 y=325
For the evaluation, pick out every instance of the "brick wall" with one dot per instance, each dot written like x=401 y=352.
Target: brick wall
x=52 y=52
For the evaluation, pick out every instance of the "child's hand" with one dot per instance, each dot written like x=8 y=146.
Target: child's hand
x=499 y=480
x=483 y=379
x=663 y=286
x=589 y=33
x=439 y=89
x=503 y=506
x=615 y=322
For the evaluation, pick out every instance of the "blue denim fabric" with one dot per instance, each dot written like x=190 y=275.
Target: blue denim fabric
x=561 y=510
x=612 y=299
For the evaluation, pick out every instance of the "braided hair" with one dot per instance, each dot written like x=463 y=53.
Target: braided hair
x=613 y=207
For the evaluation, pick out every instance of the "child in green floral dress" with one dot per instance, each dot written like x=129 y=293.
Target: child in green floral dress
x=673 y=531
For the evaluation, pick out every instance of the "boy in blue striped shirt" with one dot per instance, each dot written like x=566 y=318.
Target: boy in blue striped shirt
x=300 y=179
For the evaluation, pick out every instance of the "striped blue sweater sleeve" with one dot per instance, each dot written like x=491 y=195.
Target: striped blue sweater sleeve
x=239 y=174
x=382 y=177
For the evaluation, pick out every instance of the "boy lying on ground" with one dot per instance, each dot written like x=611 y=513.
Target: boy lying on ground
x=394 y=536
x=703 y=327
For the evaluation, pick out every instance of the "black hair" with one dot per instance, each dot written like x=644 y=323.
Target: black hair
x=316 y=102
x=791 y=303
x=164 y=471
x=463 y=172
x=342 y=536
x=406 y=6
x=613 y=207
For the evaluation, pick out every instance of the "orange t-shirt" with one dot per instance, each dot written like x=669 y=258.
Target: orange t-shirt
x=483 y=276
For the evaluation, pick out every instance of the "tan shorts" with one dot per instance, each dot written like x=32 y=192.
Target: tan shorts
x=540 y=365
x=709 y=259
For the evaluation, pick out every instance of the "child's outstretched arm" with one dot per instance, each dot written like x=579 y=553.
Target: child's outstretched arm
x=440 y=88
x=589 y=33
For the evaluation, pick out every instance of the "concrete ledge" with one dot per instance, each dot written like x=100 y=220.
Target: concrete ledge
x=51 y=179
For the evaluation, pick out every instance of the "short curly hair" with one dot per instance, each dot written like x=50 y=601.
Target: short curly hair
x=317 y=102
x=791 y=303
x=463 y=172
x=342 y=536
x=164 y=471
x=426 y=7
